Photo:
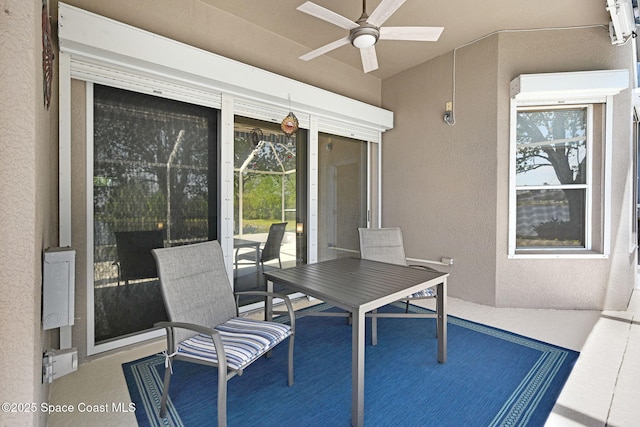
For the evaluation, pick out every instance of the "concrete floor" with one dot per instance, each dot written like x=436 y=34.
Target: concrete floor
x=603 y=389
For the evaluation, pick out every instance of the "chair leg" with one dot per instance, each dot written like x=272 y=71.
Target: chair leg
x=291 y=337
x=222 y=398
x=165 y=392
x=235 y=263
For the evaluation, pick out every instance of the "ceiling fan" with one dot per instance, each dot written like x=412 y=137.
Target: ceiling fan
x=366 y=31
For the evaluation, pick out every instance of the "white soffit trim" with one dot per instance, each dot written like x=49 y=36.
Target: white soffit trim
x=579 y=86
x=86 y=35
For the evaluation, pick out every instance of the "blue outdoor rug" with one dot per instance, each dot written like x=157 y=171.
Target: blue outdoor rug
x=491 y=378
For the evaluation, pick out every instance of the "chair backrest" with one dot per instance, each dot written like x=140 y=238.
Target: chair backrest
x=195 y=286
x=272 y=246
x=134 y=253
x=382 y=244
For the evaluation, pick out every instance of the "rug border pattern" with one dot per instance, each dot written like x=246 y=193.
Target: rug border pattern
x=517 y=409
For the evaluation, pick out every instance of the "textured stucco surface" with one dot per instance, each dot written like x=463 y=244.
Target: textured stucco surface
x=447 y=173
x=456 y=178
x=24 y=208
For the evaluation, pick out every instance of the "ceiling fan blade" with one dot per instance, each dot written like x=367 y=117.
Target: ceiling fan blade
x=327 y=15
x=425 y=34
x=385 y=9
x=324 y=49
x=369 y=59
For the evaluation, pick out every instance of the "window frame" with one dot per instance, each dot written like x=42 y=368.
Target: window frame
x=577 y=87
x=600 y=201
x=587 y=186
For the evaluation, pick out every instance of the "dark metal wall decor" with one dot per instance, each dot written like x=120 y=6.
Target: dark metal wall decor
x=47 y=55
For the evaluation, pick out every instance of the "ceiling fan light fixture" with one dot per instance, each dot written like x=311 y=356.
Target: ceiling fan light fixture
x=364 y=37
x=364 y=41
x=367 y=30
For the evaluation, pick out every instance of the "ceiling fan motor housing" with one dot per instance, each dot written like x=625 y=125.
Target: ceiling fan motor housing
x=367 y=30
x=366 y=35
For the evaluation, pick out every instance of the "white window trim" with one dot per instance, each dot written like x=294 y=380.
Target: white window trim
x=96 y=49
x=578 y=88
x=588 y=186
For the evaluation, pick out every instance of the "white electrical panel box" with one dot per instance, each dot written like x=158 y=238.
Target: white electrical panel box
x=58 y=287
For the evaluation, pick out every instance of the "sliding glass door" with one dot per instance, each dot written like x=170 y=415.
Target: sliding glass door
x=270 y=176
x=342 y=195
x=154 y=185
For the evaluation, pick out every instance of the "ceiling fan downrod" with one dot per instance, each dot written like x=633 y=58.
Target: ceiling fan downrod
x=365 y=35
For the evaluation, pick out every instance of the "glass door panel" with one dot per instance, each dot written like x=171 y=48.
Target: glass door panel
x=342 y=195
x=154 y=185
x=269 y=185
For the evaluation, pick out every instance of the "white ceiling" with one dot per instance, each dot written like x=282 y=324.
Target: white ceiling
x=463 y=20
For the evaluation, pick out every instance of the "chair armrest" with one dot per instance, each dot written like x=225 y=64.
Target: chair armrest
x=285 y=298
x=184 y=325
x=265 y=293
x=424 y=267
x=172 y=345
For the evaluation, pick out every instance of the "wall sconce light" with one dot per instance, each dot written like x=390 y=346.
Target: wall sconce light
x=448 y=114
x=299 y=227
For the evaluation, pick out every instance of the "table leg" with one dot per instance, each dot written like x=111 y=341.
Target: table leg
x=374 y=328
x=268 y=306
x=257 y=256
x=357 y=369
x=441 y=308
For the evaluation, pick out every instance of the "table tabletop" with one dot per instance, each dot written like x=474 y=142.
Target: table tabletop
x=360 y=286
x=355 y=283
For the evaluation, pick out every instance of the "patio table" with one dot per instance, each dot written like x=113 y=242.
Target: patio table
x=360 y=286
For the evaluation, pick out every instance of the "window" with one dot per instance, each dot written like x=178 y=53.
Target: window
x=560 y=163
x=553 y=177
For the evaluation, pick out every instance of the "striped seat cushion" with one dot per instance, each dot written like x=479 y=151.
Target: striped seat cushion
x=426 y=293
x=244 y=341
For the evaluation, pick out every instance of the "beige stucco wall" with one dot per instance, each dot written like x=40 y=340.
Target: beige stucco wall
x=455 y=178
x=27 y=142
x=582 y=284
x=444 y=176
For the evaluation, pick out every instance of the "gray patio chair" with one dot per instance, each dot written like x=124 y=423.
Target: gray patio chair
x=387 y=245
x=204 y=326
x=270 y=250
